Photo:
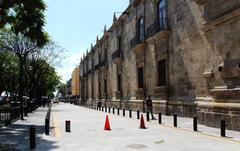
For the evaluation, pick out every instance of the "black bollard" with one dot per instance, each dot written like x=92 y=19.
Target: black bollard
x=123 y=112
x=130 y=113
x=175 y=120
x=195 y=127
x=223 y=128
x=47 y=125
x=32 y=137
x=105 y=109
x=102 y=109
x=160 y=118
x=118 y=111
x=109 y=110
x=67 y=126
x=113 y=111
x=147 y=116
x=138 y=114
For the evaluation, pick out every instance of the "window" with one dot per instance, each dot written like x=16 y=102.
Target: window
x=119 y=82
x=105 y=55
x=162 y=14
x=105 y=85
x=119 y=43
x=162 y=80
x=141 y=30
x=140 y=77
x=99 y=88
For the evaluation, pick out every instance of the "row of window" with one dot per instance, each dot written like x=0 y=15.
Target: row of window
x=161 y=20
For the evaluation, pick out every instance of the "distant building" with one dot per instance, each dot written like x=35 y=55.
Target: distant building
x=75 y=83
x=184 y=53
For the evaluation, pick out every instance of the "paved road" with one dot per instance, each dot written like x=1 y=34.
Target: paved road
x=87 y=134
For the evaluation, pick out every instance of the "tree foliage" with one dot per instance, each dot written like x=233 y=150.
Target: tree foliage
x=26 y=17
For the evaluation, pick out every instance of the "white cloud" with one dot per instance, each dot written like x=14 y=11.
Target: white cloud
x=68 y=65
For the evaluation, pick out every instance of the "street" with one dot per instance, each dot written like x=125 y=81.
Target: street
x=87 y=133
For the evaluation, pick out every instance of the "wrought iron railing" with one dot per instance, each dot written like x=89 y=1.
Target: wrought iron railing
x=116 y=54
x=161 y=25
x=9 y=114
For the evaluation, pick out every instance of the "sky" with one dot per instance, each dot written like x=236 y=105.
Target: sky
x=74 y=24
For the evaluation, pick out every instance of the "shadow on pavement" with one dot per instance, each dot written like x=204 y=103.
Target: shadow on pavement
x=16 y=138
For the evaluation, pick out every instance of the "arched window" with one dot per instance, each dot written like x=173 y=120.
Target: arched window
x=141 y=29
x=162 y=14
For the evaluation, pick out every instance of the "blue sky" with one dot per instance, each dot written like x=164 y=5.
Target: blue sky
x=74 y=24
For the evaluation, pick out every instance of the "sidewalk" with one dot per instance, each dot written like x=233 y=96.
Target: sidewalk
x=16 y=136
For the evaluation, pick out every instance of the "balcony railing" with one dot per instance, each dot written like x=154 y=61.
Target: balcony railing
x=116 y=54
x=90 y=71
x=102 y=63
x=134 y=41
x=161 y=25
x=97 y=66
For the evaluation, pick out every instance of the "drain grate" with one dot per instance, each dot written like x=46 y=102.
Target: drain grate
x=137 y=146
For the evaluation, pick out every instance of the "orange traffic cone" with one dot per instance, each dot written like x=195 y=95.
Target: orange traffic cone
x=142 y=124
x=107 y=125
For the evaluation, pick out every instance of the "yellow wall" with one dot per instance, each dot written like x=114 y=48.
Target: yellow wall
x=75 y=85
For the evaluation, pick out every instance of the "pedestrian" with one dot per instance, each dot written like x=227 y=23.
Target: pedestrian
x=99 y=104
x=150 y=106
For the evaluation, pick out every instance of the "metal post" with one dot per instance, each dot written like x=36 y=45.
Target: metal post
x=102 y=109
x=160 y=118
x=67 y=126
x=109 y=110
x=113 y=111
x=147 y=116
x=105 y=109
x=123 y=112
x=118 y=111
x=130 y=113
x=47 y=125
x=138 y=114
x=175 y=120
x=195 y=128
x=32 y=137
x=223 y=128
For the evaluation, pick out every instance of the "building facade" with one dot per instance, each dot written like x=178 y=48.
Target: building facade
x=75 y=83
x=185 y=54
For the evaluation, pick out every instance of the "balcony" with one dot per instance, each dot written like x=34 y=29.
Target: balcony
x=97 y=66
x=90 y=71
x=102 y=64
x=158 y=30
x=215 y=9
x=136 y=45
x=117 y=56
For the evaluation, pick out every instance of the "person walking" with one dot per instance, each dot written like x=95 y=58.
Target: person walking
x=150 y=106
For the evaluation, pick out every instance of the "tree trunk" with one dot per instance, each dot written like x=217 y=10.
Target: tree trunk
x=21 y=84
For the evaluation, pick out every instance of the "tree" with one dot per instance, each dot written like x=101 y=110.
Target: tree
x=22 y=47
x=8 y=72
x=26 y=17
x=62 y=89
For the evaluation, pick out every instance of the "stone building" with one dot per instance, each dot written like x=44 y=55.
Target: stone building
x=185 y=54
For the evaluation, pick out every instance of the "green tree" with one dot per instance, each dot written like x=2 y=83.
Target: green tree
x=62 y=89
x=26 y=17
x=8 y=72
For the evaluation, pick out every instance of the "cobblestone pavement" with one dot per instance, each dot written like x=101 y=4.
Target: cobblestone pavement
x=87 y=133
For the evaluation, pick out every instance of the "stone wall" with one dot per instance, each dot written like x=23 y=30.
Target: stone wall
x=200 y=45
